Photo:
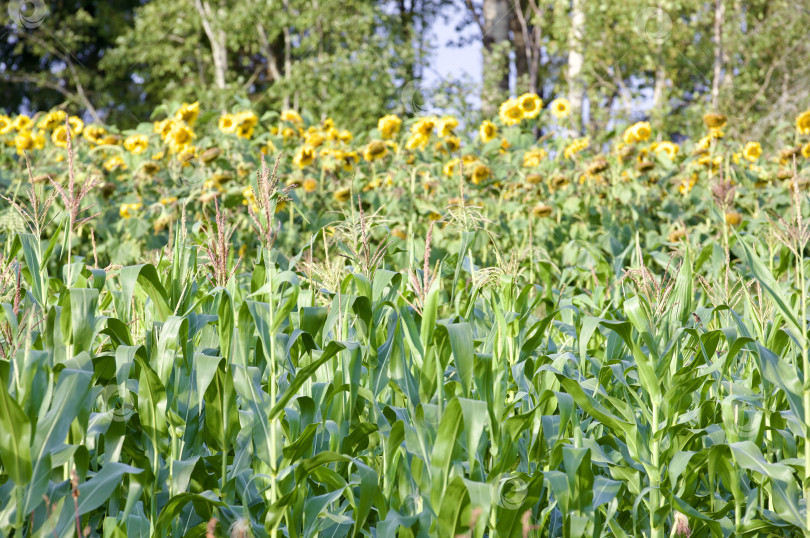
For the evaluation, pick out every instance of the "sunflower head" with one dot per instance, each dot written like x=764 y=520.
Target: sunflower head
x=712 y=120
x=23 y=123
x=575 y=147
x=597 y=166
x=389 y=125
x=450 y=167
x=59 y=136
x=304 y=157
x=530 y=104
x=23 y=142
x=94 y=133
x=188 y=112
x=560 y=108
x=52 y=120
x=487 y=131
x=447 y=125
x=227 y=123
x=291 y=116
x=424 y=126
x=6 y=125
x=180 y=137
x=511 y=112
x=76 y=125
x=542 y=210
x=244 y=130
x=677 y=234
x=733 y=218
x=114 y=163
x=533 y=157
x=210 y=154
x=376 y=149
x=481 y=173
x=310 y=185
x=343 y=194
x=803 y=122
x=136 y=144
x=416 y=141
x=752 y=151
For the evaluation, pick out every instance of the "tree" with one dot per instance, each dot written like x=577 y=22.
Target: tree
x=50 y=54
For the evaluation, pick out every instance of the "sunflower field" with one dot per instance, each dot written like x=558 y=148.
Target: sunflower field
x=226 y=324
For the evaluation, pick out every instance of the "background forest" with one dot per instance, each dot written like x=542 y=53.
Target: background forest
x=117 y=60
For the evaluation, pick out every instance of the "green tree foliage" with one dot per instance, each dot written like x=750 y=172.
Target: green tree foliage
x=670 y=60
x=50 y=54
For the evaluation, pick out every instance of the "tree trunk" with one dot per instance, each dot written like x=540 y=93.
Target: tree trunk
x=719 y=14
x=217 y=38
x=273 y=73
x=287 y=53
x=576 y=62
x=659 y=90
x=522 y=55
x=496 y=59
x=528 y=44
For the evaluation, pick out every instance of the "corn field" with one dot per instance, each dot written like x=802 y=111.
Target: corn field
x=580 y=346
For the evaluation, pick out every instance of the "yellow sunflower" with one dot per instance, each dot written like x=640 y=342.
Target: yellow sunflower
x=342 y=195
x=292 y=116
x=487 y=131
x=180 y=136
x=542 y=210
x=481 y=173
x=389 y=126
x=188 y=112
x=446 y=126
x=752 y=151
x=803 y=122
x=510 y=112
x=304 y=156
x=23 y=123
x=424 y=126
x=23 y=142
x=128 y=210
x=533 y=157
x=575 y=147
x=376 y=149
x=530 y=104
x=76 y=125
x=227 y=123
x=310 y=185
x=94 y=133
x=52 y=120
x=6 y=125
x=669 y=148
x=114 y=163
x=136 y=144
x=560 y=108
x=638 y=132
x=449 y=168
x=713 y=120
x=416 y=141
x=59 y=136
